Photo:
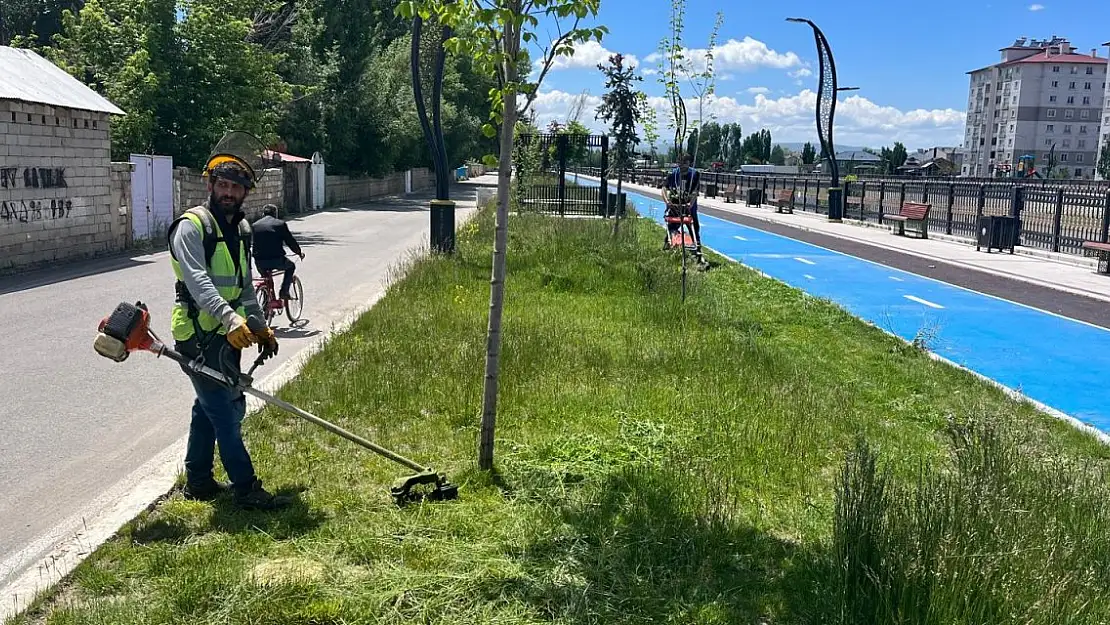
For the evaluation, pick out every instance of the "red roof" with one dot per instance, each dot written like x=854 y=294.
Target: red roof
x=1060 y=58
x=1040 y=57
x=283 y=157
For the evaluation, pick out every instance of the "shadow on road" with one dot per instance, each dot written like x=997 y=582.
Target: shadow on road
x=72 y=270
x=298 y=331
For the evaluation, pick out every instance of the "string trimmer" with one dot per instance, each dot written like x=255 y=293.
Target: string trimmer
x=127 y=330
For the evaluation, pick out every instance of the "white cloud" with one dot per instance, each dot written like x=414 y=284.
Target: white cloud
x=801 y=73
x=755 y=90
x=1036 y=7
x=859 y=121
x=735 y=56
x=647 y=71
x=587 y=55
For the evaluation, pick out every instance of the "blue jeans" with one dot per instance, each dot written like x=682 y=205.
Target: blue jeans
x=217 y=418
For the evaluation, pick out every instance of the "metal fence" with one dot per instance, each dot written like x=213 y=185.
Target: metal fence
x=541 y=181
x=1056 y=216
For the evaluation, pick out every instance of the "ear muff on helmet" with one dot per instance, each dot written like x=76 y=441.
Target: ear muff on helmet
x=230 y=168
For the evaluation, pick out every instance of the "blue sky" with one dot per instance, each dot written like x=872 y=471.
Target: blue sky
x=908 y=59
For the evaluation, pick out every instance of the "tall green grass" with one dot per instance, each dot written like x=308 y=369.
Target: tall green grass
x=996 y=532
x=753 y=455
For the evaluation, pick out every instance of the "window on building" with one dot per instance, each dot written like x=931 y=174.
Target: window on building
x=1068 y=114
x=1078 y=158
x=1074 y=69
x=998 y=99
x=1067 y=129
x=1050 y=128
x=1090 y=70
x=1087 y=100
x=1071 y=85
x=1082 y=130
x=1055 y=69
x=1010 y=142
x=1081 y=143
x=1078 y=173
x=1048 y=141
x=1013 y=114
x=1063 y=158
x=1087 y=86
x=1013 y=100
x=1067 y=143
x=1051 y=113
x=1071 y=99
x=1051 y=98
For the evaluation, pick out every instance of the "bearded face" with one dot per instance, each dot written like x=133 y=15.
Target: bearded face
x=226 y=195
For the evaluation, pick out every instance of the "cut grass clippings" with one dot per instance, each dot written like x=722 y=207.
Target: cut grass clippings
x=753 y=455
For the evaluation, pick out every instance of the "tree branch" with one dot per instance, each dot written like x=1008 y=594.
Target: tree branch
x=548 y=61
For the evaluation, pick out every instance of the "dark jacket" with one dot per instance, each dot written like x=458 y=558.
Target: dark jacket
x=269 y=234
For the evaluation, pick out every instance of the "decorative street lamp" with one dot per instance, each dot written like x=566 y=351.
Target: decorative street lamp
x=826 y=109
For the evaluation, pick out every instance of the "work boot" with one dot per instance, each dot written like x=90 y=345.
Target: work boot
x=205 y=491
x=256 y=498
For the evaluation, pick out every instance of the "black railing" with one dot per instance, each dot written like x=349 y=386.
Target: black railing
x=542 y=164
x=1056 y=215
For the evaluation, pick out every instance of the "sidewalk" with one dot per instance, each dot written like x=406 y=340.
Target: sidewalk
x=1068 y=273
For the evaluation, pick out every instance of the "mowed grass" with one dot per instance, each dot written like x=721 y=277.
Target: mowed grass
x=751 y=456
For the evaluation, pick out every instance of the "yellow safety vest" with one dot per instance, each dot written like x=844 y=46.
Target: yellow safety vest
x=221 y=270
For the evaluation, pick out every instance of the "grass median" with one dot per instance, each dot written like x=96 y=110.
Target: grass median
x=753 y=455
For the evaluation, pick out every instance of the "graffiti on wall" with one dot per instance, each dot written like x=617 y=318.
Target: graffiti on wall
x=32 y=210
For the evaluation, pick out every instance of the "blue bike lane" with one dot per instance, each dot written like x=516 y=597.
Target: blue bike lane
x=1054 y=360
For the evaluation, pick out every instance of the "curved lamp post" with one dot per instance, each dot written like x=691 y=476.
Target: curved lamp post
x=826 y=109
x=442 y=234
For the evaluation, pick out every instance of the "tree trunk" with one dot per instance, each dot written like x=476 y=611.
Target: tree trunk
x=500 y=242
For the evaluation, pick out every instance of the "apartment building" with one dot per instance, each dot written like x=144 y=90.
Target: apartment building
x=1042 y=99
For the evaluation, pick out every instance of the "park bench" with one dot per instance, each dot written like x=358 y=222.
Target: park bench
x=784 y=201
x=730 y=193
x=1101 y=251
x=914 y=213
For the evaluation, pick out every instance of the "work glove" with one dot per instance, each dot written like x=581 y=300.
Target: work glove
x=240 y=336
x=267 y=342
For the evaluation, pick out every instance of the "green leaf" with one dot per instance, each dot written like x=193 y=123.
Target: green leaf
x=489 y=131
x=490 y=160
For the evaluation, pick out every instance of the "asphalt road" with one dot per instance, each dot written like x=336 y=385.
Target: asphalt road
x=73 y=424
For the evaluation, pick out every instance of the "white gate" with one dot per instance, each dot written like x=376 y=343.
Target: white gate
x=151 y=195
x=318 y=173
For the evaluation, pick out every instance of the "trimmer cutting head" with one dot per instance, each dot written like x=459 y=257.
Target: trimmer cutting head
x=442 y=490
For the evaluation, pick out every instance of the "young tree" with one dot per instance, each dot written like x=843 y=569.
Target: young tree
x=702 y=84
x=620 y=108
x=809 y=154
x=1103 y=166
x=672 y=64
x=648 y=121
x=498 y=30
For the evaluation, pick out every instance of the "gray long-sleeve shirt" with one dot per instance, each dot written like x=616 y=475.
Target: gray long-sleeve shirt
x=188 y=247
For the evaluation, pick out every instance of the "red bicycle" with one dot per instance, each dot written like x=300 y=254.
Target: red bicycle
x=271 y=304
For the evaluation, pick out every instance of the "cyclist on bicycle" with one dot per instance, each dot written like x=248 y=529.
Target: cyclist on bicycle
x=684 y=179
x=271 y=235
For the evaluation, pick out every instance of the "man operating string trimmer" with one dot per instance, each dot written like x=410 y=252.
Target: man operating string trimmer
x=210 y=255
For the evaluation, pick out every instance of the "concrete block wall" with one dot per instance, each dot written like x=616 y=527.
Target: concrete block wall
x=191 y=189
x=55 y=186
x=346 y=190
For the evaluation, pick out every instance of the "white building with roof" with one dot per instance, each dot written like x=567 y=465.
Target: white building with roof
x=60 y=195
x=1042 y=98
